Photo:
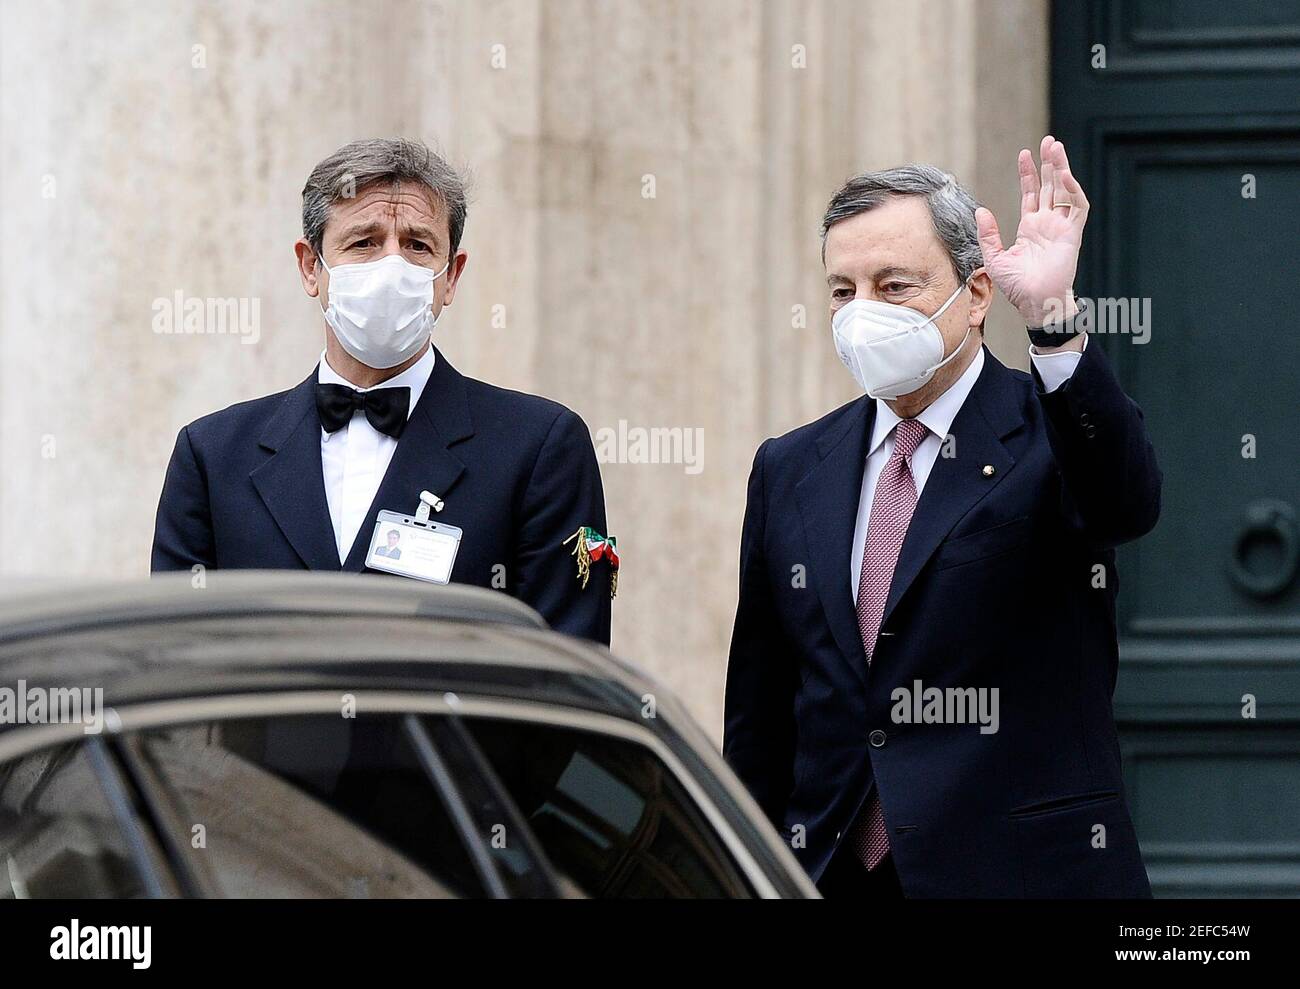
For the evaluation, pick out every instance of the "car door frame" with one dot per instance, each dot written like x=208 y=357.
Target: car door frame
x=190 y=874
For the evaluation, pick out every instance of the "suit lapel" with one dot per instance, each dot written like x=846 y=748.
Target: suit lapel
x=956 y=483
x=422 y=460
x=292 y=483
x=828 y=501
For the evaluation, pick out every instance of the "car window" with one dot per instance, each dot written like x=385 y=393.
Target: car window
x=58 y=835
x=611 y=817
x=311 y=806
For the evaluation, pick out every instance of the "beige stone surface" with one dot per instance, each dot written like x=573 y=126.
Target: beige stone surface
x=151 y=147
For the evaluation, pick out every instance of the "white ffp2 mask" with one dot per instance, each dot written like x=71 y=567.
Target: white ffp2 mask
x=380 y=311
x=891 y=350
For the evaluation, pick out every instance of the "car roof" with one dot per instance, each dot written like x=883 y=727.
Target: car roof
x=165 y=637
x=33 y=605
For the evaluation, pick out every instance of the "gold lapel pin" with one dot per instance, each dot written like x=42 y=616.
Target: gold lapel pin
x=988 y=470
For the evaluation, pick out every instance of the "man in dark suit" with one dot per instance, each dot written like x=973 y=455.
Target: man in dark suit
x=295 y=480
x=390 y=549
x=925 y=648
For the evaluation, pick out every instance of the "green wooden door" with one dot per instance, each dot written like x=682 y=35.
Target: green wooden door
x=1182 y=118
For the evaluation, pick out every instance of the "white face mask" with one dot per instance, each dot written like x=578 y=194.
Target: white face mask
x=891 y=350
x=381 y=311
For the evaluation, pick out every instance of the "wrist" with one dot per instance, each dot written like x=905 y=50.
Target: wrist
x=1056 y=334
x=1051 y=311
x=1074 y=345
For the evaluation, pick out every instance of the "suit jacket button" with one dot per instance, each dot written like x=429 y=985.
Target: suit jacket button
x=1090 y=432
x=877 y=739
x=1083 y=419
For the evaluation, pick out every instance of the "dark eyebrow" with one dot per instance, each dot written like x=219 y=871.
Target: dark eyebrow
x=366 y=228
x=893 y=271
x=370 y=228
x=420 y=231
x=889 y=271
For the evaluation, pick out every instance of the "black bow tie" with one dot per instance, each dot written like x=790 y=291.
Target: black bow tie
x=386 y=408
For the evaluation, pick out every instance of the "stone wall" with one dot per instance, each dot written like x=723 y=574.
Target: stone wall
x=648 y=180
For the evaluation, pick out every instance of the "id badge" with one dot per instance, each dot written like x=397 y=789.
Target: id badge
x=411 y=547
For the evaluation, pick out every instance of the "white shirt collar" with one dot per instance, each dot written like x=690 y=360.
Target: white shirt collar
x=937 y=417
x=414 y=377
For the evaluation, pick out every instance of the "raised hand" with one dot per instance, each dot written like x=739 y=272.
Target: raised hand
x=1036 y=273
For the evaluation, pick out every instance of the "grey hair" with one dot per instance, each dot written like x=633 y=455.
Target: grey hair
x=355 y=166
x=952 y=208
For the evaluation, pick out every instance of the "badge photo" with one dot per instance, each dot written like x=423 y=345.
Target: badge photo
x=409 y=546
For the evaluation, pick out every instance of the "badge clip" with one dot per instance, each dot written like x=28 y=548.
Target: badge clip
x=428 y=500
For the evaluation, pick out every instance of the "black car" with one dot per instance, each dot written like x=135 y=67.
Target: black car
x=286 y=735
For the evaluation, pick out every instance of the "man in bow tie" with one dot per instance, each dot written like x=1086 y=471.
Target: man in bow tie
x=296 y=480
x=926 y=710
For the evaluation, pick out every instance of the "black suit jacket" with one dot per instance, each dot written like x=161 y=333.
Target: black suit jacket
x=994 y=588
x=517 y=473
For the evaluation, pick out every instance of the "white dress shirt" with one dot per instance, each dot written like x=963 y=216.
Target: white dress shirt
x=1054 y=369
x=355 y=458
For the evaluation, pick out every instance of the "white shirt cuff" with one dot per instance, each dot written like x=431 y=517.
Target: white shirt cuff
x=1055 y=369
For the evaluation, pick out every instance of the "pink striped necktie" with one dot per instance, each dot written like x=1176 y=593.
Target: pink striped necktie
x=892 y=506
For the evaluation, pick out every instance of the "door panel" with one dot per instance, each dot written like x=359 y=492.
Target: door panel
x=1187 y=139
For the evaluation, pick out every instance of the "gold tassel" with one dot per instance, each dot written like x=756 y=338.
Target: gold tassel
x=613 y=584
x=581 y=554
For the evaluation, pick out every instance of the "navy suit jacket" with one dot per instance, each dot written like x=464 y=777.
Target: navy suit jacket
x=995 y=587
x=517 y=473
